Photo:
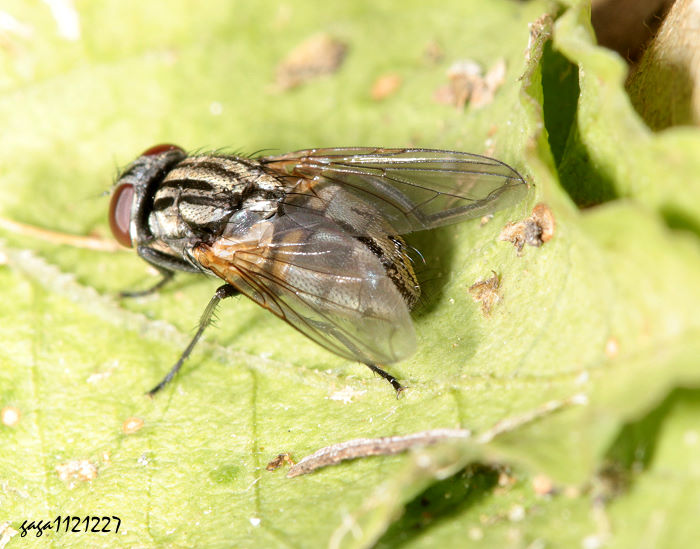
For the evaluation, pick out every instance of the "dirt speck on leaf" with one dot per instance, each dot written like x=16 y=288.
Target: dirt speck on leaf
x=10 y=416
x=535 y=230
x=485 y=219
x=385 y=86
x=77 y=469
x=486 y=293
x=468 y=84
x=542 y=485
x=132 y=425
x=319 y=55
x=612 y=347
x=279 y=461
x=433 y=52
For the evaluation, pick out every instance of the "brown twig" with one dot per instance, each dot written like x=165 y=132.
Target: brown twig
x=365 y=447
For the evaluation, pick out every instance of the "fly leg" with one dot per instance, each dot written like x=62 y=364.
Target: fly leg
x=166 y=265
x=167 y=277
x=221 y=293
x=386 y=375
x=376 y=369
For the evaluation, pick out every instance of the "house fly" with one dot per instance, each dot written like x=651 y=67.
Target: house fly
x=314 y=236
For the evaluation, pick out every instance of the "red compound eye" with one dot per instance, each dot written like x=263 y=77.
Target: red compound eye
x=120 y=213
x=163 y=147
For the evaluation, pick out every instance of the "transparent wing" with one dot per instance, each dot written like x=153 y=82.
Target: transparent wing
x=321 y=281
x=412 y=189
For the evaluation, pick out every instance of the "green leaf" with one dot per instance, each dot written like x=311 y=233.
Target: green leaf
x=569 y=372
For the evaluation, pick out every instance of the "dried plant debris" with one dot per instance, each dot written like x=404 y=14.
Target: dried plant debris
x=611 y=480
x=78 y=469
x=468 y=84
x=544 y=218
x=433 y=52
x=365 y=447
x=535 y=230
x=385 y=86
x=317 y=56
x=486 y=293
x=280 y=460
x=540 y=33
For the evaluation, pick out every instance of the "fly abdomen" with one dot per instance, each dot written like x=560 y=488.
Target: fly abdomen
x=391 y=252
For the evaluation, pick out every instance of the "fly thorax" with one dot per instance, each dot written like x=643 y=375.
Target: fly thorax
x=262 y=194
x=196 y=198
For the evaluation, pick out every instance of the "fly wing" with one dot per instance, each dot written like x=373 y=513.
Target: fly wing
x=412 y=189
x=320 y=280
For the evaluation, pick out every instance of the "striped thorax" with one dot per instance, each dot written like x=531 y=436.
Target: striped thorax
x=199 y=198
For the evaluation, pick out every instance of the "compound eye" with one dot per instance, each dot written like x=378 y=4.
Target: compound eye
x=120 y=213
x=163 y=147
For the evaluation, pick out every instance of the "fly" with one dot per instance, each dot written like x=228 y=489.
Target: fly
x=314 y=236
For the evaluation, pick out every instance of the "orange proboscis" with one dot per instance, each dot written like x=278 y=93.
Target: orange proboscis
x=54 y=237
